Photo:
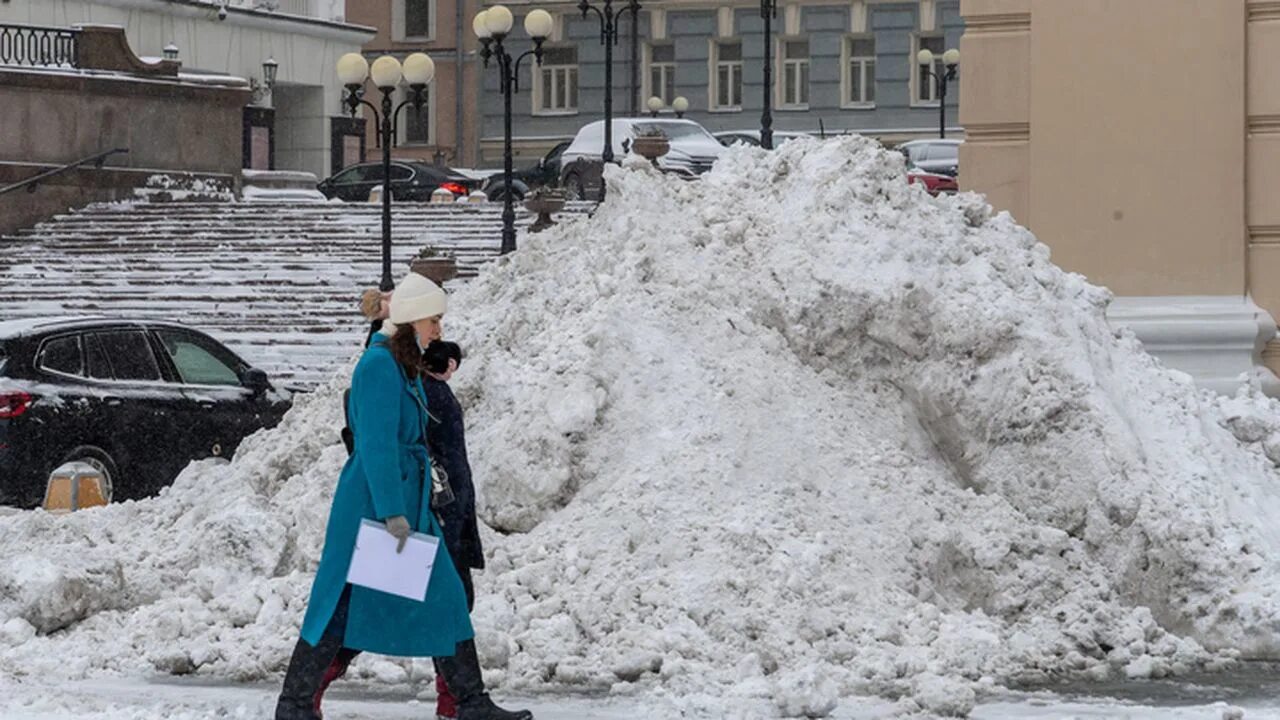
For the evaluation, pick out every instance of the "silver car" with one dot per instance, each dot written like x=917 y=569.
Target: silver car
x=936 y=156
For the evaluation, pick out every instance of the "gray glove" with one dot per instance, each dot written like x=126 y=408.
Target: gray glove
x=399 y=528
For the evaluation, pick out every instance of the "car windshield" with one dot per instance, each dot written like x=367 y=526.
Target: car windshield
x=673 y=131
x=944 y=152
x=3 y=357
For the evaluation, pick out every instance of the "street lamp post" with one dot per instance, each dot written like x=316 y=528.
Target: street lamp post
x=492 y=27
x=768 y=11
x=951 y=59
x=609 y=37
x=387 y=72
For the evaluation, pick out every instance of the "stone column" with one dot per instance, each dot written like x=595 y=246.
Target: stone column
x=1113 y=129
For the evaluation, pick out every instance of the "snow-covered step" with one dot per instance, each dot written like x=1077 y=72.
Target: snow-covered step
x=278 y=282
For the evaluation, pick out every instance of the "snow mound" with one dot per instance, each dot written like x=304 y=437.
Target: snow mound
x=791 y=433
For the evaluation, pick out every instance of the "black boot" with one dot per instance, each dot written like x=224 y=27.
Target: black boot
x=303 y=679
x=462 y=675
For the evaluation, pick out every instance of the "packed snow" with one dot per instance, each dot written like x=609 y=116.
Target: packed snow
x=749 y=447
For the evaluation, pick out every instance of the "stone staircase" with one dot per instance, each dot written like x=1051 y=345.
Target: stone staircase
x=278 y=282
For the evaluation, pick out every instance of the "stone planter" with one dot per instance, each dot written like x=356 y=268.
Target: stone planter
x=543 y=204
x=436 y=269
x=651 y=147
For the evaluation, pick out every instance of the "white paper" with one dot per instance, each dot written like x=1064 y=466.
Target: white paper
x=375 y=563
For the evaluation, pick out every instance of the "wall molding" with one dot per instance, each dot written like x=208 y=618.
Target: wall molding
x=997 y=24
x=1263 y=124
x=1264 y=11
x=998 y=132
x=1264 y=235
x=1214 y=339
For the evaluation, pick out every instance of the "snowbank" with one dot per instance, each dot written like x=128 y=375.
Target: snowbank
x=794 y=432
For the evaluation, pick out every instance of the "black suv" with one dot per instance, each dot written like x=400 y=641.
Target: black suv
x=546 y=173
x=410 y=181
x=137 y=400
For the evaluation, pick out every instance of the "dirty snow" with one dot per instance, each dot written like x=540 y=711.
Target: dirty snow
x=759 y=444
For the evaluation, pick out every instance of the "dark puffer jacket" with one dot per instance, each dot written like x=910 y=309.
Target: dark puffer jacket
x=446 y=441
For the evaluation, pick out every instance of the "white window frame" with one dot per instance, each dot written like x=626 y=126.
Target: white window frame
x=398 y=22
x=938 y=69
x=847 y=59
x=402 y=132
x=713 y=84
x=786 y=65
x=538 y=89
x=668 y=71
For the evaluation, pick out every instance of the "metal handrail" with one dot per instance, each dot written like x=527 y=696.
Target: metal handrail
x=31 y=182
x=39 y=46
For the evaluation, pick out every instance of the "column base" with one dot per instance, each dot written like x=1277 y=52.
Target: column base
x=1217 y=340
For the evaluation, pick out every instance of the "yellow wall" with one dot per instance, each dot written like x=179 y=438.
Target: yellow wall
x=1113 y=129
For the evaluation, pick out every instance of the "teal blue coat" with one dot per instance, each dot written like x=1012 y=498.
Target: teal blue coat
x=385 y=477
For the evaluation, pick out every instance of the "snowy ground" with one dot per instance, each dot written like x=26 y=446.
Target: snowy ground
x=169 y=699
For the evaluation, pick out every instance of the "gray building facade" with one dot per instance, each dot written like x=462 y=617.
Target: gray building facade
x=847 y=66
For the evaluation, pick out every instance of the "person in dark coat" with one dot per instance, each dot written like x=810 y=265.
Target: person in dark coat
x=447 y=443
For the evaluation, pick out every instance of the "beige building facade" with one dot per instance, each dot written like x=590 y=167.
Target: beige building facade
x=1140 y=140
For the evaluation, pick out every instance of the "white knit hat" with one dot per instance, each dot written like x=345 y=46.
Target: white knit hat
x=416 y=298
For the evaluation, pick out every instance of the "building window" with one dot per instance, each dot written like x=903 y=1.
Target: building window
x=662 y=72
x=726 y=82
x=860 y=71
x=557 y=88
x=417 y=125
x=926 y=90
x=417 y=18
x=795 y=74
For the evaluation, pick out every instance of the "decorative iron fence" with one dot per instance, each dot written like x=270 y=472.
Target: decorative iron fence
x=36 y=46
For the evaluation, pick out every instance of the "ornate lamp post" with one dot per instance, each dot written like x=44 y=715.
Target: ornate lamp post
x=387 y=72
x=609 y=37
x=768 y=11
x=492 y=27
x=951 y=59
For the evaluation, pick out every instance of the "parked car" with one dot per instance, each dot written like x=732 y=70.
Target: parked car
x=935 y=156
x=729 y=138
x=693 y=151
x=934 y=183
x=546 y=173
x=410 y=181
x=135 y=400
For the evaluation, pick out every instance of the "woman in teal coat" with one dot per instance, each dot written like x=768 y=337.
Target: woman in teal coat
x=387 y=478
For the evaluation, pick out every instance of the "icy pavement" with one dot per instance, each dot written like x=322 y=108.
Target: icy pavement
x=168 y=699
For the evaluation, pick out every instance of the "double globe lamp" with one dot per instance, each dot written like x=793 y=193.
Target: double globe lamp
x=492 y=26
x=951 y=61
x=386 y=72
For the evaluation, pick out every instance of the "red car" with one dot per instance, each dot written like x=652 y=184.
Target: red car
x=934 y=183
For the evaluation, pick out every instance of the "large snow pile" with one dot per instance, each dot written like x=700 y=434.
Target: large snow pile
x=789 y=434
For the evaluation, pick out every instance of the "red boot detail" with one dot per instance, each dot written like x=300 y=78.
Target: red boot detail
x=446 y=704
x=336 y=669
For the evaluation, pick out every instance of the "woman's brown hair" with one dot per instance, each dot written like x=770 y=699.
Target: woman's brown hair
x=404 y=348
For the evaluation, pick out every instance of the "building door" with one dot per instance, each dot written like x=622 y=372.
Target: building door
x=347 y=141
x=259 y=138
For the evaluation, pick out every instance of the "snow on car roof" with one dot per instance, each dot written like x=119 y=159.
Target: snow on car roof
x=18 y=328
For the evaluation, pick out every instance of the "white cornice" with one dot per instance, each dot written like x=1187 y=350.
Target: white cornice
x=258 y=19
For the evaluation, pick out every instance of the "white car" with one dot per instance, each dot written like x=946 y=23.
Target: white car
x=936 y=156
x=693 y=151
x=729 y=138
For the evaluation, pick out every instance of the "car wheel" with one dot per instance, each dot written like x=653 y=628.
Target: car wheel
x=500 y=196
x=99 y=460
x=573 y=187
